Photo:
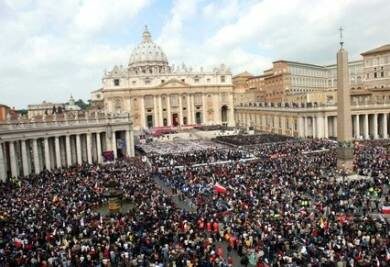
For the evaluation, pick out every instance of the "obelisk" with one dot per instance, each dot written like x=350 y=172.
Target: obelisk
x=344 y=120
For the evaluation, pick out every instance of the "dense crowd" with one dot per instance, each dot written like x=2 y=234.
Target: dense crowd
x=178 y=146
x=282 y=206
x=288 y=209
x=208 y=156
x=245 y=140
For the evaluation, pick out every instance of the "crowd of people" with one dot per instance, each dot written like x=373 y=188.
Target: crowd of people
x=280 y=206
x=178 y=146
x=288 y=209
x=245 y=140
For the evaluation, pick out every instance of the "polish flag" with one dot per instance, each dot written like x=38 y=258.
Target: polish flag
x=219 y=188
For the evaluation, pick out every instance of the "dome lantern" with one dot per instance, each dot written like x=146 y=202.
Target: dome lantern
x=146 y=35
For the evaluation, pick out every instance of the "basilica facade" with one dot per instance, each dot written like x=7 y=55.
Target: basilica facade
x=157 y=94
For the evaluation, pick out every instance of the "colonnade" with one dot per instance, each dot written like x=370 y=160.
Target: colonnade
x=371 y=126
x=186 y=111
x=30 y=147
x=26 y=156
x=367 y=124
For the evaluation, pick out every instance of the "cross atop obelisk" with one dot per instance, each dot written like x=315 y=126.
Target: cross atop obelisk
x=341 y=36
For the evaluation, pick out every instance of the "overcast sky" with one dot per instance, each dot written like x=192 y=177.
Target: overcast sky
x=50 y=49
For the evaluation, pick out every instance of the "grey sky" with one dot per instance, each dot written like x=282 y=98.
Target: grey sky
x=52 y=49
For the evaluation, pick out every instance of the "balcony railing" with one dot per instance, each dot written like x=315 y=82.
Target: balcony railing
x=63 y=120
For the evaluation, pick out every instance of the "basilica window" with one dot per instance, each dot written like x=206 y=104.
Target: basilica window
x=196 y=80
x=162 y=81
x=222 y=79
x=183 y=80
x=116 y=82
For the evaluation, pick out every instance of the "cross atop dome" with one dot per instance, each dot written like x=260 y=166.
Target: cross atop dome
x=146 y=35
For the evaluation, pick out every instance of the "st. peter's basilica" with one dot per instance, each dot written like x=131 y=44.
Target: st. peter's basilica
x=158 y=94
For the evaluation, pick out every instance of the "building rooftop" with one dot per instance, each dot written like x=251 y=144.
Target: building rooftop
x=298 y=63
x=381 y=49
x=243 y=74
x=5 y=106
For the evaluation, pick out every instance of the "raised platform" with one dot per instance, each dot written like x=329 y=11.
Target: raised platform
x=345 y=159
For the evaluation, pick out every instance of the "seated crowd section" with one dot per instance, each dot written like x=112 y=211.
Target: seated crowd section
x=267 y=202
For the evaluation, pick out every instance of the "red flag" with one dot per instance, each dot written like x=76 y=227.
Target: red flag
x=219 y=188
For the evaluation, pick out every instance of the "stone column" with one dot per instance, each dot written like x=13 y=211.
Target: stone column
x=192 y=98
x=169 y=115
x=180 y=110
x=26 y=166
x=68 y=151
x=326 y=131
x=217 y=111
x=142 y=107
x=375 y=126
x=275 y=122
x=306 y=119
x=283 y=124
x=188 y=110
x=12 y=156
x=37 y=167
x=3 y=175
x=78 y=149
x=366 y=132
x=155 y=112
x=58 y=151
x=89 y=148
x=132 y=144
x=313 y=127
x=231 y=121
x=160 y=111
x=204 y=109
x=301 y=127
x=384 y=126
x=357 y=126
x=128 y=144
x=99 y=148
x=47 y=154
x=320 y=127
x=114 y=149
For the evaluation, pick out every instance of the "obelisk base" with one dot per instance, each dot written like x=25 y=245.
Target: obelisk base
x=345 y=159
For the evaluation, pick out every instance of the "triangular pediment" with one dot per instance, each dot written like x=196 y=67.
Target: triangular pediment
x=173 y=83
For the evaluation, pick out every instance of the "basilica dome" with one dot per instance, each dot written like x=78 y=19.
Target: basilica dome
x=148 y=55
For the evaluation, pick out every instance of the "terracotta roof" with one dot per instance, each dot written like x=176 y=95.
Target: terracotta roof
x=383 y=48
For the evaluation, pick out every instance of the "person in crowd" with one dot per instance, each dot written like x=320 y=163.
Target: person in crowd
x=277 y=204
